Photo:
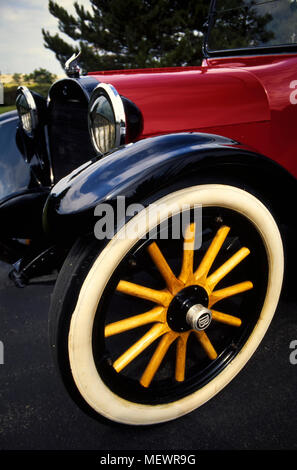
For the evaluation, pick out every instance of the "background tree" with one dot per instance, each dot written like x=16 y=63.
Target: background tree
x=284 y=22
x=40 y=76
x=253 y=23
x=119 y=34
x=17 y=78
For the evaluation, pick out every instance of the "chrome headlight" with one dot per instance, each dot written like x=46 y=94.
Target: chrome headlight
x=106 y=118
x=27 y=110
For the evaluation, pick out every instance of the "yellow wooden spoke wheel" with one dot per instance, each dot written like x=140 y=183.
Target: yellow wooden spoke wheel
x=148 y=329
x=185 y=306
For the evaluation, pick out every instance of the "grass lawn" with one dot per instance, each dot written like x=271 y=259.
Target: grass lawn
x=5 y=109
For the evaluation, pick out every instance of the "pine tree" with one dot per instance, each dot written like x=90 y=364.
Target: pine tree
x=118 y=34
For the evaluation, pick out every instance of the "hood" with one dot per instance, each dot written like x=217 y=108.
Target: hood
x=191 y=98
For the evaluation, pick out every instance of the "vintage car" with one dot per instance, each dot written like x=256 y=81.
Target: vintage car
x=164 y=201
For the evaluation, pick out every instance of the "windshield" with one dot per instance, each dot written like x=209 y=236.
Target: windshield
x=241 y=24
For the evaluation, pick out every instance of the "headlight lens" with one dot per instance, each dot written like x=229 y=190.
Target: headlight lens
x=27 y=110
x=106 y=118
x=103 y=124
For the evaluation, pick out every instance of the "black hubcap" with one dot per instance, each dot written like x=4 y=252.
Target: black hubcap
x=181 y=303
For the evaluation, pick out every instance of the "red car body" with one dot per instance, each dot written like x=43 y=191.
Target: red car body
x=248 y=99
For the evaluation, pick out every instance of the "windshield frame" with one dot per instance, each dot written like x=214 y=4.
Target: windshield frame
x=248 y=51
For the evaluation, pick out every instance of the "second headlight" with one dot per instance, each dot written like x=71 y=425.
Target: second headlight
x=106 y=117
x=27 y=110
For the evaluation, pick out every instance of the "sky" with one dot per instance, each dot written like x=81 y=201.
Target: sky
x=21 y=41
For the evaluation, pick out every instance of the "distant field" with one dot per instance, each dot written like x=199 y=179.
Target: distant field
x=10 y=89
x=8 y=79
x=5 y=109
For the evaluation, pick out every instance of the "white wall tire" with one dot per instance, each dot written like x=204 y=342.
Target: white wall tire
x=90 y=385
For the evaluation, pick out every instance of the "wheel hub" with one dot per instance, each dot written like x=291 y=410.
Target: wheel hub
x=188 y=310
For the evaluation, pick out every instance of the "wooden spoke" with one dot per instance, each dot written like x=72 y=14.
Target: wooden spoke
x=173 y=284
x=146 y=340
x=206 y=344
x=211 y=254
x=158 y=296
x=157 y=358
x=229 y=291
x=188 y=254
x=223 y=270
x=227 y=319
x=157 y=314
x=181 y=352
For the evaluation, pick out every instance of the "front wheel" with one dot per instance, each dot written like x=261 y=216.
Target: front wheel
x=147 y=328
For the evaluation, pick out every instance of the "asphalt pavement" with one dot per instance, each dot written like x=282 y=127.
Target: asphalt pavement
x=257 y=410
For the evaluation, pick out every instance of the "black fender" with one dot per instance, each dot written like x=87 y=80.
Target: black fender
x=139 y=170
